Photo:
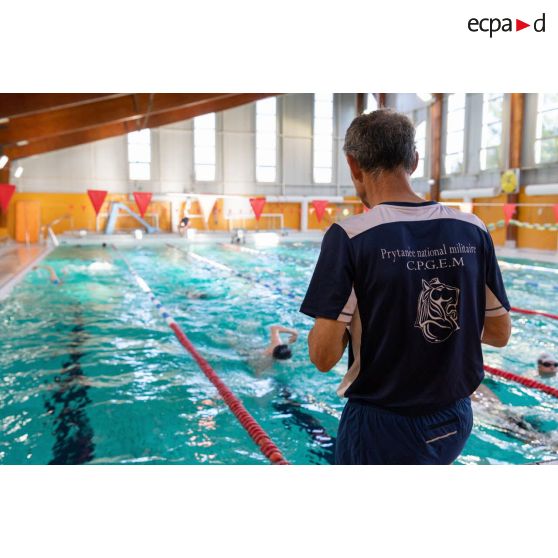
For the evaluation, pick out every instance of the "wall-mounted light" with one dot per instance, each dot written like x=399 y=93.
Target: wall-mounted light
x=18 y=172
x=3 y=160
x=22 y=143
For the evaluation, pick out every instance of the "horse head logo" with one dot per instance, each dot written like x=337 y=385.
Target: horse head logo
x=437 y=314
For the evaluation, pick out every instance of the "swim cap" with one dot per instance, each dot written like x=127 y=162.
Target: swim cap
x=282 y=352
x=546 y=357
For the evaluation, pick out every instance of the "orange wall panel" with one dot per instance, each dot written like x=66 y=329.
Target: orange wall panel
x=492 y=214
x=538 y=240
x=27 y=221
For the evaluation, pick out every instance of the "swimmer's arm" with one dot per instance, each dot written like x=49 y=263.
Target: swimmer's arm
x=326 y=343
x=497 y=330
x=276 y=330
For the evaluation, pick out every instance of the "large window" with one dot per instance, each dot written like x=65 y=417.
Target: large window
x=455 y=133
x=323 y=138
x=139 y=154
x=266 y=140
x=491 y=140
x=546 y=141
x=420 y=141
x=371 y=103
x=204 y=147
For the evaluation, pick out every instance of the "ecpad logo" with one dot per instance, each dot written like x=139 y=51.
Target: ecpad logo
x=494 y=24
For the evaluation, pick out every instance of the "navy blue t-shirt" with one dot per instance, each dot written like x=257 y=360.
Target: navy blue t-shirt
x=413 y=282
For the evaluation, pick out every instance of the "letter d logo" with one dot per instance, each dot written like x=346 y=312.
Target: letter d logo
x=539 y=25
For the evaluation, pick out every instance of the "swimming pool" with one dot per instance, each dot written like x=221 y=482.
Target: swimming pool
x=91 y=373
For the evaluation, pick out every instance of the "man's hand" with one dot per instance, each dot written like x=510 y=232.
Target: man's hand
x=326 y=343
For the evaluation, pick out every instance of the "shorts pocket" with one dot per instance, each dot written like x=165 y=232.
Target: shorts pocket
x=443 y=430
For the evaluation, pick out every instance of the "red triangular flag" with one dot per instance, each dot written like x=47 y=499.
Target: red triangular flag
x=142 y=201
x=6 y=193
x=509 y=210
x=97 y=198
x=555 y=207
x=257 y=206
x=320 y=206
x=519 y=25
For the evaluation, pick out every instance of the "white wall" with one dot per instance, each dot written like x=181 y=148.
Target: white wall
x=104 y=164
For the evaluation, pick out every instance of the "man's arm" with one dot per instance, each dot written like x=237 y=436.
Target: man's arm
x=326 y=343
x=497 y=330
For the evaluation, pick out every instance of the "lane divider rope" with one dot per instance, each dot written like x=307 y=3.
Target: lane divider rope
x=534 y=312
x=280 y=257
x=263 y=282
x=521 y=380
x=255 y=431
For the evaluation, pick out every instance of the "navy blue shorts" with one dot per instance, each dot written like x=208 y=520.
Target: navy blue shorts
x=369 y=435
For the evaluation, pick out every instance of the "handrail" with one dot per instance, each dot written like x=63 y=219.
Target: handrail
x=47 y=228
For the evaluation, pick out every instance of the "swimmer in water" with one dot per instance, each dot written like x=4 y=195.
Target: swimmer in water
x=196 y=295
x=490 y=410
x=183 y=226
x=277 y=349
x=54 y=279
x=547 y=365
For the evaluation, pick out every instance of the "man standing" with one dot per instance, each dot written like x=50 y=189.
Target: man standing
x=415 y=287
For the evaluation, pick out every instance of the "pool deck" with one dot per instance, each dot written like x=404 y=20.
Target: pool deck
x=15 y=261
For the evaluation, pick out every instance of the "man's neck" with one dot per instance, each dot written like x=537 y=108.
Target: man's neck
x=390 y=187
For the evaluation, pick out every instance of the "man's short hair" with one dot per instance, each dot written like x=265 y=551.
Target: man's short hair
x=381 y=140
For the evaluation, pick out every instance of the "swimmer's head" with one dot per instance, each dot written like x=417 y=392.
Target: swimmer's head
x=547 y=365
x=282 y=352
x=104 y=244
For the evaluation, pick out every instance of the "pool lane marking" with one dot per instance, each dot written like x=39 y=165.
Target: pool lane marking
x=73 y=432
x=255 y=431
x=212 y=263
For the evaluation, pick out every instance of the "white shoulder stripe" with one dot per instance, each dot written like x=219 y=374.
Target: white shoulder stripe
x=383 y=214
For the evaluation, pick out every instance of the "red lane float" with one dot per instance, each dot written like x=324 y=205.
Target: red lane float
x=535 y=312
x=521 y=380
x=255 y=431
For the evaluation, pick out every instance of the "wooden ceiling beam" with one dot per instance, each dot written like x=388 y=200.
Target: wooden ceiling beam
x=114 y=129
x=20 y=104
x=90 y=115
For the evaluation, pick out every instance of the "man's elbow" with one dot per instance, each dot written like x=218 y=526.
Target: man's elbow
x=501 y=340
x=501 y=335
x=321 y=360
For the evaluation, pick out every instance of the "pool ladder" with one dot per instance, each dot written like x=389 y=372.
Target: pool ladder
x=47 y=229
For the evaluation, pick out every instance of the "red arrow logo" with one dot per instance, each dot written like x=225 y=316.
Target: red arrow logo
x=519 y=25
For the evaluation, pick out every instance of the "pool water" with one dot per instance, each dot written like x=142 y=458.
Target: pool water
x=91 y=373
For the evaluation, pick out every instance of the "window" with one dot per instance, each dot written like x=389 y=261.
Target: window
x=266 y=140
x=491 y=140
x=204 y=147
x=455 y=133
x=546 y=141
x=139 y=154
x=323 y=138
x=420 y=141
x=371 y=103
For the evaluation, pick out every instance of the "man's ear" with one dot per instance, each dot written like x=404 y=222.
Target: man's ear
x=356 y=171
x=416 y=162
